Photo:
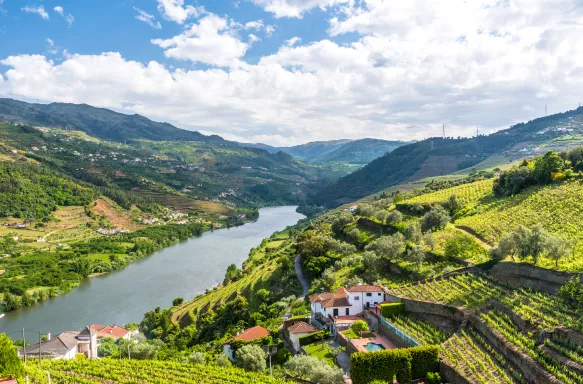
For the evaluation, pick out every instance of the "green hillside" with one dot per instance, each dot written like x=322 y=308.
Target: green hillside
x=438 y=156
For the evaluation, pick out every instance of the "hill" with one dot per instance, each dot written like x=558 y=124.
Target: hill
x=337 y=151
x=442 y=156
x=98 y=122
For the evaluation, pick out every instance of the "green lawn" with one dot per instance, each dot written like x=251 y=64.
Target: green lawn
x=321 y=351
x=350 y=334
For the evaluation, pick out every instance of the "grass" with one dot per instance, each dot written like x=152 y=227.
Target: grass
x=321 y=351
x=352 y=335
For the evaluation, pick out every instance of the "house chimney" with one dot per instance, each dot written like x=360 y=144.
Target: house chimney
x=48 y=336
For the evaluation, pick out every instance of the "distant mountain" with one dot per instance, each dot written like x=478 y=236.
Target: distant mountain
x=439 y=156
x=97 y=122
x=360 y=151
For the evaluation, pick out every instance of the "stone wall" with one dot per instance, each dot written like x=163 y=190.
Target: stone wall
x=396 y=340
x=569 y=334
x=532 y=371
x=521 y=323
x=450 y=375
x=530 y=276
x=448 y=311
x=344 y=342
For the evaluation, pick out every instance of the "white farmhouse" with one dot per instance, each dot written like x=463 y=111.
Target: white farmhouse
x=300 y=329
x=348 y=301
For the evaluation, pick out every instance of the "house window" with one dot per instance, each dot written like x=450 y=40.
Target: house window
x=356 y=298
x=347 y=311
x=335 y=311
x=379 y=294
x=368 y=294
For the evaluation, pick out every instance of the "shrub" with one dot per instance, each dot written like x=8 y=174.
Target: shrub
x=222 y=360
x=393 y=309
x=433 y=378
x=315 y=370
x=383 y=365
x=197 y=358
x=359 y=326
x=435 y=219
x=316 y=336
x=424 y=359
x=177 y=301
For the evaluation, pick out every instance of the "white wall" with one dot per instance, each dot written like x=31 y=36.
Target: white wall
x=359 y=300
x=228 y=351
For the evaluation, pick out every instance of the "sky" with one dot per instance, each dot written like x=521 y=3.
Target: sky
x=286 y=72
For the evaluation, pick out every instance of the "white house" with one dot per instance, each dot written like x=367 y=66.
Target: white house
x=349 y=301
x=300 y=329
x=248 y=335
x=65 y=346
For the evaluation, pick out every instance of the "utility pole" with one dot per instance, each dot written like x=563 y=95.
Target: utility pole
x=443 y=129
x=477 y=131
x=129 y=356
x=40 y=336
x=24 y=345
x=90 y=343
x=545 y=109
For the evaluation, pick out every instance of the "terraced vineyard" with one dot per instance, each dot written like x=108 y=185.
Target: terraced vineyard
x=112 y=371
x=564 y=217
x=422 y=331
x=477 y=361
x=465 y=289
x=527 y=343
x=467 y=194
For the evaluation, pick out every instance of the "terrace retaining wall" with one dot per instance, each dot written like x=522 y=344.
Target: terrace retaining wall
x=569 y=334
x=532 y=371
x=448 y=311
x=523 y=275
x=450 y=375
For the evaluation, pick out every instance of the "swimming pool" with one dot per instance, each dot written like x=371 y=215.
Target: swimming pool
x=372 y=347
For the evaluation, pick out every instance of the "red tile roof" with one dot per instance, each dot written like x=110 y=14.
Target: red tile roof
x=365 y=288
x=302 y=327
x=109 y=331
x=250 y=334
x=8 y=380
x=339 y=298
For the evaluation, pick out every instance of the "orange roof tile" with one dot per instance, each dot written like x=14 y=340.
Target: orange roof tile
x=109 y=331
x=365 y=288
x=257 y=332
x=302 y=327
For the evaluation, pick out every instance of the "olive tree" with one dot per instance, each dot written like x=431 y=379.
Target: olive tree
x=389 y=247
x=10 y=363
x=413 y=232
x=436 y=218
x=251 y=357
x=312 y=369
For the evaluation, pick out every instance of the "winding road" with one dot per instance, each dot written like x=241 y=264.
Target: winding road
x=300 y=273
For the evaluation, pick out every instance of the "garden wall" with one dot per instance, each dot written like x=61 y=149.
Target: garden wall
x=532 y=371
x=448 y=311
x=450 y=375
x=530 y=276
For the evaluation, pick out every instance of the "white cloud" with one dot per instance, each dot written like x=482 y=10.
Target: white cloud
x=293 y=41
x=176 y=11
x=147 y=18
x=256 y=25
x=296 y=8
x=269 y=29
x=50 y=42
x=68 y=17
x=253 y=38
x=40 y=10
x=415 y=66
x=211 y=41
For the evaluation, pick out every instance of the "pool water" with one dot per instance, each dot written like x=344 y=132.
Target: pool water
x=372 y=347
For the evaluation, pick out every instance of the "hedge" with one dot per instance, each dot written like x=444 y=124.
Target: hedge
x=390 y=310
x=407 y=364
x=316 y=336
x=382 y=365
x=423 y=360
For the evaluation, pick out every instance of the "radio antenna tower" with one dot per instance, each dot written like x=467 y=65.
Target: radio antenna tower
x=477 y=131
x=443 y=129
x=545 y=109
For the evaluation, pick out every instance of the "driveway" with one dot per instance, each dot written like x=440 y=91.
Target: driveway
x=300 y=273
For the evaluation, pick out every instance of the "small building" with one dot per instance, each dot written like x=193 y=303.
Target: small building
x=113 y=332
x=65 y=346
x=8 y=380
x=248 y=335
x=298 y=330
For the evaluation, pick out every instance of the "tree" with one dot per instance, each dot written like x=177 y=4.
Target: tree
x=453 y=204
x=416 y=255
x=231 y=274
x=429 y=240
x=198 y=358
x=144 y=351
x=546 y=166
x=382 y=216
x=390 y=247
x=395 y=217
x=108 y=348
x=371 y=262
x=413 y=232
x=177 y=301
x=365 y=210
x=335 y=351
x=312 y=369
x=10 y=363
x=341 y=221
x=558 y=248
x=222 y=360
x=436 y=218
x=329 y=278
x=251 y=357
x=359 y=326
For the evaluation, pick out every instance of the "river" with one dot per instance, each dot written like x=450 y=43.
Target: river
x=183 y=270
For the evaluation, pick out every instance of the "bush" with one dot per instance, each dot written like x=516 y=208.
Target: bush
x=316 y=336
x=222 y=360
x=433 y=378
x=197 y=358
x=177 y=301
x=435 y=219
x=359 y=326
x=393 y=309
x=315 y=370
x=383 y=365
x=10 y=363
x=424 y=359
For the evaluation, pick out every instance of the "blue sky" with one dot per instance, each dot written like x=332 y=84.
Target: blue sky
x=291 y=71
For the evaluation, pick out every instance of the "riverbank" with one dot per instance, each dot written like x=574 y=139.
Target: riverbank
x=185 y=269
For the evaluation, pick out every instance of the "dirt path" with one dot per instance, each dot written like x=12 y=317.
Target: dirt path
x=470 y=233
x=300 y=273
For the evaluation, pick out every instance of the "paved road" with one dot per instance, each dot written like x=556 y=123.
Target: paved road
x=300 y=273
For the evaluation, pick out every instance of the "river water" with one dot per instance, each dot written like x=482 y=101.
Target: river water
x=183 y=270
